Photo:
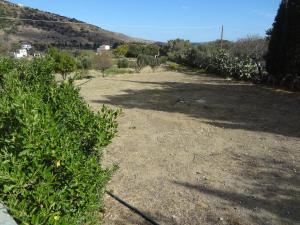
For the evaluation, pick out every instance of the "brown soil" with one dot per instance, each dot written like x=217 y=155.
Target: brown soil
x=197 y=149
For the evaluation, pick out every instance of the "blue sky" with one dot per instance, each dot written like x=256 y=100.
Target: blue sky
x=161 y=20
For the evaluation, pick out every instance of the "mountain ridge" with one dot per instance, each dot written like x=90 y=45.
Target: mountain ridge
x=24 y=24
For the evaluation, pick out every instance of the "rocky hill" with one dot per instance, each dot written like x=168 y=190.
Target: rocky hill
x=43 y=29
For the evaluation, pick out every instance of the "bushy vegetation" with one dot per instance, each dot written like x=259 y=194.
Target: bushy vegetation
x=136 y=49
x=147 y=60
x=64 y=62
x=225 y=62
x=121 y=50
x=50 y=147
x=283 y=58
x=102 y=61
x=123 y=63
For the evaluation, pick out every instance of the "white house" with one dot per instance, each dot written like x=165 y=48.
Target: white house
x=103 y=48
x=21 y=53
x=26 y=46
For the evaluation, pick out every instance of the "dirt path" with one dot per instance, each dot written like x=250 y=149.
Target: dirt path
x=201 y=150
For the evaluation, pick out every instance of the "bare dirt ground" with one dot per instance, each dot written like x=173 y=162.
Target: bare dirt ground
x=197 y=149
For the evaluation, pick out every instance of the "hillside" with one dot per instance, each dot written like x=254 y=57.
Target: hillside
x=63 y=33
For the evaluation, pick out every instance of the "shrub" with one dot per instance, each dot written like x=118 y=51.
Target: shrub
x=163 y=59
x=102 y=61
x=121 y=50
x=64 y=62
x=135 y=49
x=50 y=143
x=123 y=63
x=147 y=60
x=84 y=63
x=224 y=64
x=173 y=66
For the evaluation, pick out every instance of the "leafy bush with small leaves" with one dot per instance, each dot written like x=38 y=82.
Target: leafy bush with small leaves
x=50 y=147
x=147 y=60
x=121 y=50
x=102 y=61
x=224 y=64
x=173 y=66
x=123 y=63
x=83 y=63
x=64 y=62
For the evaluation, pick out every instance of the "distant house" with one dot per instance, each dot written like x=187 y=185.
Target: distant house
x=26 y=46
x=21 y=53
x=103 y=48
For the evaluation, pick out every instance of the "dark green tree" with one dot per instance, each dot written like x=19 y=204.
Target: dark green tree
x=283 y=57
x=64 y=62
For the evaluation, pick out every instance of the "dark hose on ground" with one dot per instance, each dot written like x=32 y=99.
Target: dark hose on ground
x=132 y=208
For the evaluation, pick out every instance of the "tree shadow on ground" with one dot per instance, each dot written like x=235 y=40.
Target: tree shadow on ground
x=272 y=185
x=218 y=102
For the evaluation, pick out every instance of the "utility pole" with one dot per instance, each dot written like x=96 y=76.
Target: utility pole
x=222 y=33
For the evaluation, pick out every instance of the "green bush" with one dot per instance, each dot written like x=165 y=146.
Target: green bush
x=83 y=63
x=50 y=147
x=64 y=62
x=121 y=50
x=147 y=60
x=123 y=63
x=163 y=59
x=224 y=64
x=102 y=61
x=173 y=66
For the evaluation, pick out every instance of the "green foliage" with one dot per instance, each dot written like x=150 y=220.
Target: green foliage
x=147 y=60
x=121 y=50
x=50 y=147
x=224 y=64
x=83 y=63
x=173 y=66
x=177 y=50
x=163 y=59
x=102 y=61
x=136 y=49
x=151 y=49
x=211 y=58
x=64 y=62
x=283 y=58
x=123 y=63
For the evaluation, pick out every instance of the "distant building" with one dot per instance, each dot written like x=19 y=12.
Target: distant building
x=103 y=48
x=21 y=53
x=26 y=46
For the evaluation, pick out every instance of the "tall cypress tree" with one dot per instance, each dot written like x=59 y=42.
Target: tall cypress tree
x=283 y=57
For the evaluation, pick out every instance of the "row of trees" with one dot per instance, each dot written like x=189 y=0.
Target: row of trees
x=135 y=49
x=242 y=59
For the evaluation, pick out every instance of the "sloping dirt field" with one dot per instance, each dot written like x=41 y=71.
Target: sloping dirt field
x=197 y=149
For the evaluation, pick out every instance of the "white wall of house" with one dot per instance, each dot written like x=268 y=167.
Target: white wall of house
x=21 y=53
x=103 y=48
